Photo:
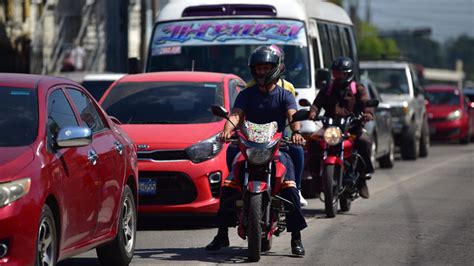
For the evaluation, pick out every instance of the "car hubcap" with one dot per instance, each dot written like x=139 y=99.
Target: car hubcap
x=45 y=243
x=128 y=222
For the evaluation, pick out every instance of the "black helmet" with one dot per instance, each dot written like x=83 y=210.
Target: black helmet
x=265 y=55
x=342 y=70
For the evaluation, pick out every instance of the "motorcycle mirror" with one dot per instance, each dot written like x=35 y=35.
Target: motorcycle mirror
x=304 y=102
x=220 y=111
x=323 y=77
x=300 y=115
x=372 y=103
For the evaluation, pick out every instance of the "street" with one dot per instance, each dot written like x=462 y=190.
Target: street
x=419 y=213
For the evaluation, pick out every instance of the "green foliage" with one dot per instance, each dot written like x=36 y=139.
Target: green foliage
x=372 y=46
x=462 y=48
x=337 y=2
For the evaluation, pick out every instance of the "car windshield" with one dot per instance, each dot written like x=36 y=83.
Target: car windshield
x=388 y=80
x=18 y=116
x=164 y=103
x=225 y=45
x=442 y=98
x=97 y=87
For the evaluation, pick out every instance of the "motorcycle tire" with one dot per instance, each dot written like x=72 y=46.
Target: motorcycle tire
x=254 y=227
x=266 y=244
x=330 y=191
x=346 y=203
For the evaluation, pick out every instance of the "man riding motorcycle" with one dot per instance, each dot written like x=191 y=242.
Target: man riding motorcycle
x=296 y=151
x=264 y=102
x=342 y=98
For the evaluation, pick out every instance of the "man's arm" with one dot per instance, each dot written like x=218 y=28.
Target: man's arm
x=364 y=98
x=296 y=136
x=236 y=117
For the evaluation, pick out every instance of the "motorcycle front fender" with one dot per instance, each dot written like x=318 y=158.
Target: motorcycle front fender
x=330 y=160
x=257 y=187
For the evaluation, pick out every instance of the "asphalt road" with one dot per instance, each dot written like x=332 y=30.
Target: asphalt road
x=419 y=213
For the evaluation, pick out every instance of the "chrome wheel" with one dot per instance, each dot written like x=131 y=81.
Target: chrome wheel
x=46 y=249
x=128 y=224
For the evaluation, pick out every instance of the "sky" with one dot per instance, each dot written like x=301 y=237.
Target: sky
x=447 y=18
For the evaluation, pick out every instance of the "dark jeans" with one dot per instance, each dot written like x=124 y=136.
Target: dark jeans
x=296 y=153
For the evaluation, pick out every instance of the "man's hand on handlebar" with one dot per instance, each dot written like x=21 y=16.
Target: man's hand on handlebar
x=226 y=136
x=298 y=139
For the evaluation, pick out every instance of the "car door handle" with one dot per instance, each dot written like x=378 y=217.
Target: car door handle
x=118 y=147
x=92 y=157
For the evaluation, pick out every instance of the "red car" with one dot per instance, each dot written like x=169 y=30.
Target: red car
x=182 y=164
x=450 y=115
x=68 y=175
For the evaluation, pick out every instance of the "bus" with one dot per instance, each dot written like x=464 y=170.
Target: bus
x=219 y=36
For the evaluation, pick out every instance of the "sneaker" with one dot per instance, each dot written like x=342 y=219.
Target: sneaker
x=218 y=242
x=364 y=190
x=303 y=201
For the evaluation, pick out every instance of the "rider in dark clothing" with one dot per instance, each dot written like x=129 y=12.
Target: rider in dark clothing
x=342 y=98
x=264 y=102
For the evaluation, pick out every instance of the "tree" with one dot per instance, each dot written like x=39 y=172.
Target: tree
x=371 y=46
x=461 y=48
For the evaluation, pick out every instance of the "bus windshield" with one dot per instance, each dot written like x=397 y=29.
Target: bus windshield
x=224 y=46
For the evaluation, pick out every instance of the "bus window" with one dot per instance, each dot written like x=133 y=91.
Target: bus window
x=346 y=49
x=335 y=41
x=325 y=44
x=314 y=42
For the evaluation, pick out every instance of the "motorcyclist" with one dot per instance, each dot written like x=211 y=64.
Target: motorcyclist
x=296 y=151
x=264 y=102
x=342 y=98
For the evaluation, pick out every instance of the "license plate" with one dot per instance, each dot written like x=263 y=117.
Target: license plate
x=147 y=187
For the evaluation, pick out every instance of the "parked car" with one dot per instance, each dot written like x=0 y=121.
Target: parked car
x=450 y=115
x=398 y=84
x=97 y=84
x=380 y=129
x=182 y=163
x=469 y=93
x=69 y=176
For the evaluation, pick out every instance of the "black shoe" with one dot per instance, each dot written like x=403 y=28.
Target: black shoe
x=364 y=189
x=218 y=242
x=368 y=176
x=297 y=247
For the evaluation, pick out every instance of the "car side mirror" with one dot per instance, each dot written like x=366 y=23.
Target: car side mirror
x=372 y=103
x=220 y=111
x=300 y=115
x=323 y=77
x=74 y=137
x=133 y=65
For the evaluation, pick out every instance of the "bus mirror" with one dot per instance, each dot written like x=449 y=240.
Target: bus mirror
x=323 y=77
x=133 y=65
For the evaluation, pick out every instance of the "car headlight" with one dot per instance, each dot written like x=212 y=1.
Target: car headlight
x=11 y=191
x=454 y=115
x=205 y=149
x=332 y=135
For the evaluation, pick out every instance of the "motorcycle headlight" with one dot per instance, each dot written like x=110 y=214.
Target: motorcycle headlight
x=261 y=155
x=454 y=115
x=205 y=149
x=332 y=135
x=11 y=191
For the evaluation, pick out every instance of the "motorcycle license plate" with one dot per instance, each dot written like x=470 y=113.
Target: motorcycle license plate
x=147 y=187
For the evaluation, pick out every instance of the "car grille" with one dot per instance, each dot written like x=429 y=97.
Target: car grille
x=163 y=155
x=172 y=188
x=437 y=120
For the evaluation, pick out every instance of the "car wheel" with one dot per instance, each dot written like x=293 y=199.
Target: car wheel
x=47 y=241
x=387 y=161
x=410 y=145
x=424 y=140
x=120 y=251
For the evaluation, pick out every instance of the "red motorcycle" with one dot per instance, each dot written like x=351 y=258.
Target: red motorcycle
x=341 y=167
x=261 y=210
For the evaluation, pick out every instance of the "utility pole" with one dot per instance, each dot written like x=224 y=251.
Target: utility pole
x=117 y=35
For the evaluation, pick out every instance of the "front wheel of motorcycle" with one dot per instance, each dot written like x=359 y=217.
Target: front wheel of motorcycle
x=254 y=227
x=330 y=190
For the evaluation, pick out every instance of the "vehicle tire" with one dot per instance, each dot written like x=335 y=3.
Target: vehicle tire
x=119 y=252
x=387 y=161
x=254 y=227
x=330 y=191
x=410 y=145
x=346 y=203
x=47 y=240
x=467 y=138
x=424 y=140
x=266 y=244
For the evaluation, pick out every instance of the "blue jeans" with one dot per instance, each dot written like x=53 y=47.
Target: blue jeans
x=296 y=153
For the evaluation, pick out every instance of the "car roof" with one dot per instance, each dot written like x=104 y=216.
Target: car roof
x=468 y=90
x=383 y=64
x=440 y=87
x=176 y=76
x=29 y=80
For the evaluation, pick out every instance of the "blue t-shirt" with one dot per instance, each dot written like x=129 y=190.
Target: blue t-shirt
x=262 y=108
